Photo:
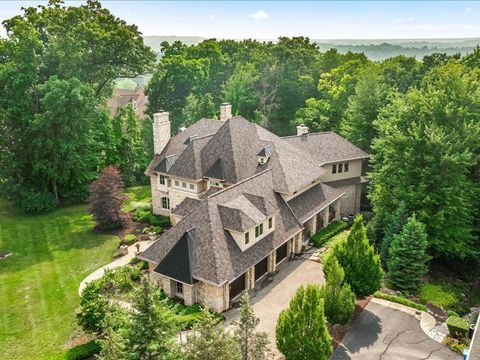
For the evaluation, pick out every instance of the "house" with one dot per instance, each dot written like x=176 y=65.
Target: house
x=242 y=200
x=122 y=97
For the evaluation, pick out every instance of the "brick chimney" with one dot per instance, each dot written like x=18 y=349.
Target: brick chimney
x=161 y=131
x=302 y=129
x=225 y=111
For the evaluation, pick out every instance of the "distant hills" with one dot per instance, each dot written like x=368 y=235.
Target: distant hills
x=377 y=49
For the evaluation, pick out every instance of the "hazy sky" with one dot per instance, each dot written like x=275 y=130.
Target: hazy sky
x=270 y=19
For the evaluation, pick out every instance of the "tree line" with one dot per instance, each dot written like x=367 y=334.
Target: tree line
x=418 y=119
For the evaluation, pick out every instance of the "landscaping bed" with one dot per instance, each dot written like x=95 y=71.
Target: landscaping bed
x=320 y=238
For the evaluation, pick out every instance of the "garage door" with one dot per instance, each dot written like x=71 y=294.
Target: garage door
x=281 y=252
x=237 y=286
x=261 y=268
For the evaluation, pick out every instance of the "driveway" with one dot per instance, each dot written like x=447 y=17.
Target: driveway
x=381 y=332
x=273 y=294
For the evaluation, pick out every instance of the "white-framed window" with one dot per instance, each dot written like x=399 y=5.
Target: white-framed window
x=214 y=183
x=340 y=168
x=334 y=168
x=270 y=223
x=184 y=184
x=179 y=286
x=165 y=203
x=259 y=230
x=345 y=167
x=192 y=187
x=161 y=180
x=247 y=238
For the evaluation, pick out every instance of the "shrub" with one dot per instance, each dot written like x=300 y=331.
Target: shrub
x=91 y=312
x=441 y=294
x=400 y=300
x=363 y=271
x=144 y=215
x=79 y=352
x=34 y=202
x=129 y=239
x=154 y=229
x=458 y=327
x=325 y=234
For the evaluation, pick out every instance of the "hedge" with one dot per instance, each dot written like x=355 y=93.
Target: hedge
x=335 y=227
x=79 y=352
x=400 y=300
x=458 y=327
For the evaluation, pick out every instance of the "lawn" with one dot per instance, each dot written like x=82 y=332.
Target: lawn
x=51 y=254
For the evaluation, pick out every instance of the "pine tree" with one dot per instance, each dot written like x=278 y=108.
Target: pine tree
x=339 y=297
x=357 y=256
x=113 y=343
x=301 y=332
x=253 y=345
x=408 y=258
x=106 y=199
x=210 y=341
x=152 y=334
x=393 y=226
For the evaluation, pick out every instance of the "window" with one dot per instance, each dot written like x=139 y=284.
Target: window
x=345 y=167
x=270 y=223
x=340 y=168
x=192 y=187
x=161 y=179
x=259 y=230
x=334 y=168
x=179 y=288
x=214 y=183
x=247 y=238
x=184 y=184
x=177 y=183
x=165 y=203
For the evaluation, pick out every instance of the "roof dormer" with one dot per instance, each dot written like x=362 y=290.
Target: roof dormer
x=264 y=155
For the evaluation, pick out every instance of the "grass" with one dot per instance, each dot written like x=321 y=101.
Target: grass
x=443 y=294
x=39 y=282
x=400 y=300
x=321 y=237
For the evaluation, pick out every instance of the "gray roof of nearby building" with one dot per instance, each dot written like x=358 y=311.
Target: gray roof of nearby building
x=216 y=257
x=313 y=200
x=346 y=182
x=327 y=147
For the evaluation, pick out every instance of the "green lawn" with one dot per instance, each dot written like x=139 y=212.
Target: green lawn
x=52 y=253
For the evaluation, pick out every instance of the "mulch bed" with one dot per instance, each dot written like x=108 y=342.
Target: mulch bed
x=338 y=331
x=4 y=254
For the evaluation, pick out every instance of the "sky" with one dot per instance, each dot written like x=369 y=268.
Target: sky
x=271 y=19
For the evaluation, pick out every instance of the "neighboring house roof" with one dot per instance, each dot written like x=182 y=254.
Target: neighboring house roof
x=346 y=182
x=122 y=97
x=219 y=151
x=313 y=200
x=216 y=257
x=474 y=350
x=327 y=146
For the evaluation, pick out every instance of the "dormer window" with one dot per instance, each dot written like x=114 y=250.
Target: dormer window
x=270 y=223
x=262 y=160
x=340 y=168
x=345 y=167
x=247 y=238
x=334 y=168
x=264 y=155
x=259 y=230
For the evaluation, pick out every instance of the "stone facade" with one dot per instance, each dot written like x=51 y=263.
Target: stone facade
x=157 y=198
x=217 y=297
x=350 y=201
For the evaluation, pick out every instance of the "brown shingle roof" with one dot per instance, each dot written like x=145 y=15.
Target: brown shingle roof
x=122 y=97
x=185 y=206
x=327 y=147
x=216 y=256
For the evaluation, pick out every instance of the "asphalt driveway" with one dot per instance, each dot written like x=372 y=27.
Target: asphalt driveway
x=384 y=333
x=273 y=294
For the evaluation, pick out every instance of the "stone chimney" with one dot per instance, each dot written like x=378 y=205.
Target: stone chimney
x=161 y=131
x=225 y=111
x=302 y=129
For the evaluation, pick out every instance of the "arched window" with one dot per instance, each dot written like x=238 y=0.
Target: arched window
x=165 y=203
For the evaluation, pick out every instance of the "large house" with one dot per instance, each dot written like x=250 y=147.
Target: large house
x=242 y=200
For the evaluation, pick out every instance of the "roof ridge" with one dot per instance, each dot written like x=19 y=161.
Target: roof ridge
x=313 y=133
x=210 y=232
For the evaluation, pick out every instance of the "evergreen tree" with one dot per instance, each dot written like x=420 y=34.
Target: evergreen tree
x=152 y=333
x=113 y=343
x=301 y=332
x=357 y=256
x=408 y=258
x=106 y=199
x=339 y=297
x=253 y=345
x=394 y=223
x=210 y=341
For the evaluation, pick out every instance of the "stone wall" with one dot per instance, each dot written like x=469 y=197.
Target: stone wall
x=157 y=197
x=350 y=201
x=217 y=297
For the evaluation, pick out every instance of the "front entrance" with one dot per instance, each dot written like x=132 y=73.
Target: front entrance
x=237 y=286
x=281 y=252
x=261 y=268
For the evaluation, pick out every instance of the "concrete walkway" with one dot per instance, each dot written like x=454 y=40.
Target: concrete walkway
x=121 y=261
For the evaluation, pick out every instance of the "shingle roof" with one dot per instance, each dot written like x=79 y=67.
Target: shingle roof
x=185 y=206
x=327 y=147
x=345 y=182
x=313 y=200
x=216 y=256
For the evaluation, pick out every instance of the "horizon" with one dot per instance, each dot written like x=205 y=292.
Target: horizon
x=329 y=20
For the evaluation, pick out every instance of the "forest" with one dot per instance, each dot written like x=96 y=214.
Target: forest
x=419 y=119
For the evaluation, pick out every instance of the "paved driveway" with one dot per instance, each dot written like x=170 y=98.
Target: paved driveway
x=277 y=290
x=384 y=333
